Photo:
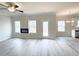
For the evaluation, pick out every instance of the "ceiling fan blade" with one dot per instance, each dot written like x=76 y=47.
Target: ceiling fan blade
x=3 y=5
x=11 y=4
x=20 y=11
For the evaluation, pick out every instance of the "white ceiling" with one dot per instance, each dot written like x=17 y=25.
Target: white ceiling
x=44 y=7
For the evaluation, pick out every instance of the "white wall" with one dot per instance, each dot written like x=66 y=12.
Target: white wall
x=5 y=28
x=50 y=17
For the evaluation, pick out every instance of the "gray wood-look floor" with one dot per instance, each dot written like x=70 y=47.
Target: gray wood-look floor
x=63 y=46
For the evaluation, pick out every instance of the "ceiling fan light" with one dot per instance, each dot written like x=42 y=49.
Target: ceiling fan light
x=11 y=9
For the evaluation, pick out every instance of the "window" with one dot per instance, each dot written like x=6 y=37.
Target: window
x=45 y=28
x=61 y=26
x=17 y=26
x=73 y=33
x=32 y=26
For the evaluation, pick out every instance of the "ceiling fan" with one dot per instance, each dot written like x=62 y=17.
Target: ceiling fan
x=12 y=7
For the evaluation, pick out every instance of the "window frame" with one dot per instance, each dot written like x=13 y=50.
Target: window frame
x=15 y=26
x=45 y=34
x=35 y=26
x=61 y=26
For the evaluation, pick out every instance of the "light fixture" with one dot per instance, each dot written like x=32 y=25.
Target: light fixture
x=67 y=21
x=72 y=21
x=11 y=9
